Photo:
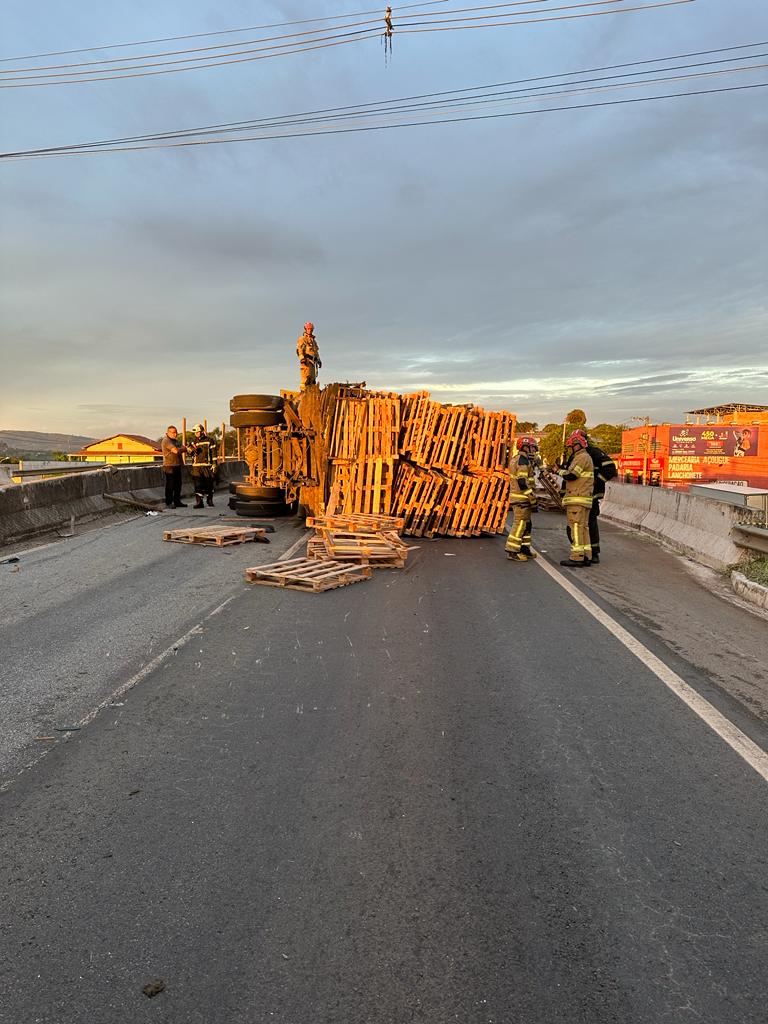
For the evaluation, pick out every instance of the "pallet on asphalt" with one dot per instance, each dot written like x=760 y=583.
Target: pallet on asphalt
x=357 y=522
x=216 y=536
x=308 y=574
x=386 y=550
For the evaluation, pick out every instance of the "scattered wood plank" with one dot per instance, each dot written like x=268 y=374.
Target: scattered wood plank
x=146 y=506
x=308 y=575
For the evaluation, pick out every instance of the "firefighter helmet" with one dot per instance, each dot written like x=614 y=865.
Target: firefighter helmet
x=198 y=429
x=576 y=437
x=526 y=441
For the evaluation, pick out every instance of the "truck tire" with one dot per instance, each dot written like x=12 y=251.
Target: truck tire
x=262 y=509
x=256 y=418
x=242 y=403
x=250 y=492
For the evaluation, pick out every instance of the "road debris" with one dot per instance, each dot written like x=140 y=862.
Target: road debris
x=308 y=574
x=154 y=988
x=217 y=536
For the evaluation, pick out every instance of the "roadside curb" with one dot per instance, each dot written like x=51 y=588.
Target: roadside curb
x=750 y=591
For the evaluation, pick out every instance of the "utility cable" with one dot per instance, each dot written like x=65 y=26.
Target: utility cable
x=140 y=71
x=372 y=24
x=149 y=145
x=495 y=92
x=220 y=32
x=412 y=124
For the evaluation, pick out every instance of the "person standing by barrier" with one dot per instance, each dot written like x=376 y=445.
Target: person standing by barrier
x=579 y=476
x=203 y=466
x=522 y=499
x=173 y=451
x=605 y=469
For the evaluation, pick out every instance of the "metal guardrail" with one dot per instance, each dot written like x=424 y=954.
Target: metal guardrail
x=754 y=516
x=73 y=470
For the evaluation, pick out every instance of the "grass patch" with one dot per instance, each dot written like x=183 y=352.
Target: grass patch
x=756 y=569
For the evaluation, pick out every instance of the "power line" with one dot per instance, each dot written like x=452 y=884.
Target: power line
x=491 y=92
x=220 y=32
x=375 y=24
x=415 y=124
x=287 y=49
x=154 y=142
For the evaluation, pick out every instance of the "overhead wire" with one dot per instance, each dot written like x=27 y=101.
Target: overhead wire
x=405 y=124
x=488 y=93
x=219 y=32
x=373 y=24
x=447 y=101
x=295 y=45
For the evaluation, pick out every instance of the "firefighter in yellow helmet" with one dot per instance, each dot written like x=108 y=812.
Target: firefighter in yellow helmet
x=202 y=468
x=522 y=499
x=578 y=472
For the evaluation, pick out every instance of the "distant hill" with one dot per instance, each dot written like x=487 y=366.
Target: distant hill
x=35 y=441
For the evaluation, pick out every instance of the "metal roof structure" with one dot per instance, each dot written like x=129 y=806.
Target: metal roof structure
x=728 y=407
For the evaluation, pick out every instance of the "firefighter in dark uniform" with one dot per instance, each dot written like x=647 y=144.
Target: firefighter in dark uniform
x=522 y=499
x=202 y=467
x=605 y=469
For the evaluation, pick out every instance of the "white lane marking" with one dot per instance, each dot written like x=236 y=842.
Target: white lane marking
x=754 y=755
x=221 y=608
x=129 y=684
x=142 y=673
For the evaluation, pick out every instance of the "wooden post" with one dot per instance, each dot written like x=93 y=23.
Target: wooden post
x=205 y=426
x=223 y=442
x=183 y=433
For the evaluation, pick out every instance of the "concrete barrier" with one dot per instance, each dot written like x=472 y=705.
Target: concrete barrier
x=29 y=510
x=700 y=528
x=753 y=592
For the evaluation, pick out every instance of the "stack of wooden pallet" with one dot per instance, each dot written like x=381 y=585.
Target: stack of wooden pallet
x=452 y=478
x=362 y=539
x=362 y=446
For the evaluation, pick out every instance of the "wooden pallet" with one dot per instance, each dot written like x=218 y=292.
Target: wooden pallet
x=352 y=523
x=216 y=536
x=308 y=575
x=378 y=549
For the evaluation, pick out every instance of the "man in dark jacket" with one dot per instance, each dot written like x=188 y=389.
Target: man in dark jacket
x=605 y=469
x=173 y=451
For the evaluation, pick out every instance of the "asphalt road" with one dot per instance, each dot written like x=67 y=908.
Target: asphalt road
x=447 y=794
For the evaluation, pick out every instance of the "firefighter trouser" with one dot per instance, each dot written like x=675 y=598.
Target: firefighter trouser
x=578 y=525
x=202 y=478
x=520 y=534
x=594 y=529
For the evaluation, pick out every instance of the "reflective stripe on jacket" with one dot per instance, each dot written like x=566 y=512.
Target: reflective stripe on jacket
x=203 y=453
x=579 y=490
x=521 y=477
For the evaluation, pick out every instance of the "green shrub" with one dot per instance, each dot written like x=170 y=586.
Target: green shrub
x=756 y=569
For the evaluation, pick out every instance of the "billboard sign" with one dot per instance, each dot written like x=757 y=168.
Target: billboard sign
x=711 y=442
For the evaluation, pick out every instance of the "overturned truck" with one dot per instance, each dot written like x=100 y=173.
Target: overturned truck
x=344 y=449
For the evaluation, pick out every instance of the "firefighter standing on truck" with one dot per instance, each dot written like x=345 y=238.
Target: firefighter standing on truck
x=203 y=465
x=522 y=499
x=578 y=472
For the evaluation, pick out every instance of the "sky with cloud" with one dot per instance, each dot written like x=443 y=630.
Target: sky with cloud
x=615 y=258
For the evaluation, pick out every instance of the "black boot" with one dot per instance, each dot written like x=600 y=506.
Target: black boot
x=209 y=501
x=198 y=501
x=572 y=563
x=595 y=558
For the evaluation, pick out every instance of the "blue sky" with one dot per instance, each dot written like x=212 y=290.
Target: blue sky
x=615 y=259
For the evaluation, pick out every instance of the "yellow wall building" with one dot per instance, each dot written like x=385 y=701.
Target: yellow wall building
x=121 y=448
